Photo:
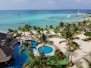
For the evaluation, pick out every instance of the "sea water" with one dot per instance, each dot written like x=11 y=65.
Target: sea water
x=15 y=18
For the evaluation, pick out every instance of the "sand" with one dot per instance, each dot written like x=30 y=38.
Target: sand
x=78 y=55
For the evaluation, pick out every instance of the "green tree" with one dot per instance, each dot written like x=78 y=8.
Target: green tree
x=43 y=38
x=34 y=61
x=88 y=34
x=34 y=27
x=59 y=60
x=61 y=24
x=10 y=30
x=68 y=33
x=57 y=29
x=19 y=28
x=26 y=46
x=51 y=27
x=27 y=27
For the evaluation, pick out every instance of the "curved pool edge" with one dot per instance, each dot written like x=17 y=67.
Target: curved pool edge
x=36 y=52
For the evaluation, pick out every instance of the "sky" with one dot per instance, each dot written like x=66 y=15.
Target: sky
x=44 y=4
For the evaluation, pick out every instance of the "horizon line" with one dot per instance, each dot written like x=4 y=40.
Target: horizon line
x=40 y=9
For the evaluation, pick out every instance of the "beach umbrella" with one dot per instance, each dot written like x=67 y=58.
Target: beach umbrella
x=5 y=54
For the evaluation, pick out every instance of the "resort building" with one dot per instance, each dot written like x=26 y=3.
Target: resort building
x=6 y=50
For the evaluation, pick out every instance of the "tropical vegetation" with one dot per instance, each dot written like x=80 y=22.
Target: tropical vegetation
x=59 y=60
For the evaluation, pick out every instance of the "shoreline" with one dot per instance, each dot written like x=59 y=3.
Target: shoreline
x=87 y=18
x=79 y=20
x=2 y=31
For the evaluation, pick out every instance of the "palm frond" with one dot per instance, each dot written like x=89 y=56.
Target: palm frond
x=26 y=64
x=89 y=63
x=22 y=50
x=30 y=53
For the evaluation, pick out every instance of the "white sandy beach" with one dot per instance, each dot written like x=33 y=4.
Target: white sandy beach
x=78 y=55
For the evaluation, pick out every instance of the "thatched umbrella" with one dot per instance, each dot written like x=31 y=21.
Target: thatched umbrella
x=5 y=54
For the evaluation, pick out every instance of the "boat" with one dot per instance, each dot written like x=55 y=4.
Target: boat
x=78 y=12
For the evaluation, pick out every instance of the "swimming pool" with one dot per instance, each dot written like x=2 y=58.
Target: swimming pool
x=19 y=59
x=45 y=49
x=33 y=43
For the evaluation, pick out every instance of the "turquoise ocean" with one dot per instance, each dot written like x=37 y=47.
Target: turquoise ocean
x=15 y=18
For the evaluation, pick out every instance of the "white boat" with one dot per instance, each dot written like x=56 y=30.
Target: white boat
x=78 y=13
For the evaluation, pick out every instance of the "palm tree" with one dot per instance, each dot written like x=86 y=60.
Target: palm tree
x=34 y=61
x=89 y=63
x=88 y=34
x=84 y=22
x=80 y=27
x=27 y=27
x=88 y=59
x=61 y=24
x=57 y=29
x=38 y=29
x=34 y=27
x=10 y=30
x=14 y=32
x=43 y=38
x=46 y=28
x=26 y=46
x=22 y=29
x=59 y=60
x=84 y=25
x=19 y=28
x=68 y=33
x=51 y=27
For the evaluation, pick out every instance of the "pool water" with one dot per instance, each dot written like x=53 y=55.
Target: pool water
x=34 y=43
x=19 y=59
x=45 y=49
